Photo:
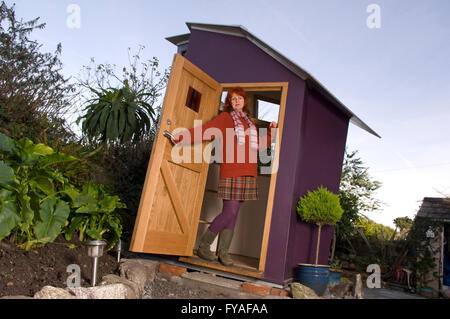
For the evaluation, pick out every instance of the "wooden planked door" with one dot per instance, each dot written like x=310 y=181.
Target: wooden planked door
x=172 y=195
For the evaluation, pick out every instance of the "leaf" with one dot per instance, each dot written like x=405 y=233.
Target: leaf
x=55 y=175
x=53 y=214
x=122 y=122
x=26 y=212
x=44 y=184
x=25 y=151
x=7 y=175
x=103 y=118
x=93 y=122
x=25 y=144
x=115 y=224
x=5 y=194
x=74 y=224
x=95 y=91
x=86 y=203
x=8 y=217
x=127 y=134
x=108 y=204
x=109 y=127
x=115 y=106
x=70 y=191
x=88 y=209
x=42 y=149
x=131 y=117
x=94 y=234
x=56 y=158
x=116 y=94
x=7 y=145
x=115 y=124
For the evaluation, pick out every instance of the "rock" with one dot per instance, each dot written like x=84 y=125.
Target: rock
x=49 y=292
x=140 y=271
x=114 y=291
x=345 y=280
x=358 y=287
x=300 y=291
x=341 y=290
x=176 y=280
x=16 y=297
x=114 y=279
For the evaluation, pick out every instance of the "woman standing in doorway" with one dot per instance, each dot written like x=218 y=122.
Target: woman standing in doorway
x=237 y=180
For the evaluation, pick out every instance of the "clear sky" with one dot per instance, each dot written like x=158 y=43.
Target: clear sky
x=395 y=76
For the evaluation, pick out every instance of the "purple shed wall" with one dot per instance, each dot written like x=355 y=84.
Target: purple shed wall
x=319 y=164
x=319 y=129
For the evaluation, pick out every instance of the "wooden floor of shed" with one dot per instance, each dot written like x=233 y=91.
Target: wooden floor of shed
x=243 y=265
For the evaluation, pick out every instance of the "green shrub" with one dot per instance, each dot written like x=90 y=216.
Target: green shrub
x=320 y=207
x=95 y=215
x=34 y=196
x=36 y=199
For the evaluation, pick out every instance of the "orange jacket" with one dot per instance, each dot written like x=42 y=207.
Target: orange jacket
x=230 y=164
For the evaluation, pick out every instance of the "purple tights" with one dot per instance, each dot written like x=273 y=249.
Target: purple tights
x=227 y=219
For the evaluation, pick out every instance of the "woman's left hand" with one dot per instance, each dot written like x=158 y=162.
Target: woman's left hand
x=273 y=125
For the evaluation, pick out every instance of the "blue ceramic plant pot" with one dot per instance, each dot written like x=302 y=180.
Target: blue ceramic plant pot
x=334 y=278
x=314 y=276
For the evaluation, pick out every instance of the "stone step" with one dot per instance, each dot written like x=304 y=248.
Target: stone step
x=213 y=280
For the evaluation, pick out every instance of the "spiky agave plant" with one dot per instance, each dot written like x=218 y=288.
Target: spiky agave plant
x=117 y=115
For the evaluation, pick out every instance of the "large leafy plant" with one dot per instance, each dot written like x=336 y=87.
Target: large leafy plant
x=34 y=197
x=38 y=203
x=320 y=207
x=95 y=215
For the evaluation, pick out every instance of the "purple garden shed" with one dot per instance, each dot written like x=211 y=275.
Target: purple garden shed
x=270 y=239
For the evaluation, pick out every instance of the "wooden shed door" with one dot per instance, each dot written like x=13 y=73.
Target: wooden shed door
x=172 y=195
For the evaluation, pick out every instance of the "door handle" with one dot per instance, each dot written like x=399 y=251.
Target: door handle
x=169 y=135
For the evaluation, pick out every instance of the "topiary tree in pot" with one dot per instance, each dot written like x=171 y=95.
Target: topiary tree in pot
x=320 y=207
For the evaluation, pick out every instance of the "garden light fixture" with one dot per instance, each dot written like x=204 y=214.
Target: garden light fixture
x=408 y=273
x=430 y=233
x=95 y=250
x=118 y=249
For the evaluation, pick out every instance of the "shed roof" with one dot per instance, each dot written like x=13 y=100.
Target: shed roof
x=435 y=208
x=240 y=31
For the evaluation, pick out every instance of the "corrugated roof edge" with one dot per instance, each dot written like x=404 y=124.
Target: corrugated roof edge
x=435 y=208
x=240 y=31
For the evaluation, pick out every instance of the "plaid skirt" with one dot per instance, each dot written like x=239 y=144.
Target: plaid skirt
x=238 y=188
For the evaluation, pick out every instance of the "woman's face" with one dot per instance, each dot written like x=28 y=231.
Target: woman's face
x=237 y=102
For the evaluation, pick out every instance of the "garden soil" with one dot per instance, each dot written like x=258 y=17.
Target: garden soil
x=26 y=272
x=23 y=273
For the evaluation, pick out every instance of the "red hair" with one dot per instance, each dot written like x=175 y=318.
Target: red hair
x=239 y=91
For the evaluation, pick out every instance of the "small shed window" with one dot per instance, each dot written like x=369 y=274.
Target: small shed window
x=193 y=99
x=267 y=109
